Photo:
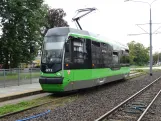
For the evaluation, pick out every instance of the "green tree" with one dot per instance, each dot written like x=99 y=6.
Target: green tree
x=22 y=22
x=139 y=55
x=54 y=18
x=156 y=57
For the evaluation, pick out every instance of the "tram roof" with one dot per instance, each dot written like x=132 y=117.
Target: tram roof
x=67 y=30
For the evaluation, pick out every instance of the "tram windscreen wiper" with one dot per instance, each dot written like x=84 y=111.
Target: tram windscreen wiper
x=54 y=56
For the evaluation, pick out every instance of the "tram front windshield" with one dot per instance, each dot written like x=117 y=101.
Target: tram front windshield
x=53 y=49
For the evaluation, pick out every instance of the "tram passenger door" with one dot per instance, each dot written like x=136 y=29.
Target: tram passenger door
x=68 y=73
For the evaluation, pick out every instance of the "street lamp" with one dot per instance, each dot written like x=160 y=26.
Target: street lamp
x=150 y=34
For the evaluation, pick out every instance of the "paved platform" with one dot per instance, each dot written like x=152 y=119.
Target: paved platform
x=13 y=92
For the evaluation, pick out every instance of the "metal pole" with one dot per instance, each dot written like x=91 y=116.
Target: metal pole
x=31 y=73
x=158 y=58
x=18 y=75
x=4 y=73
x=158 y=61
x=151 y=56
x=150 y=34
x=79 y=25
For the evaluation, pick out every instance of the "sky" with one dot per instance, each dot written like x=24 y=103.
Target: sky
x=116 y=19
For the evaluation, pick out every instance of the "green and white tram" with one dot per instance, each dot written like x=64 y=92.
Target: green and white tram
x=74 y=59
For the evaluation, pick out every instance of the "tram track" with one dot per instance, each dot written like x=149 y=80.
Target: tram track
x=136 y=106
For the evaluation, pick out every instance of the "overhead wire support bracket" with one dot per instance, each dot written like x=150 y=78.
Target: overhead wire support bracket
x=137 y=34
x=155 y=32
x=87 y=10
x=141 y=28
x=143 y=33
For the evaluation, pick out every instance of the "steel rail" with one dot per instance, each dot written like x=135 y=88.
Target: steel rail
x=125 y=101
x=149 y=106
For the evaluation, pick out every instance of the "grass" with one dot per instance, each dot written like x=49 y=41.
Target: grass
x=139 y=70
x=135 y=66
x=27 y=104
x=137 y=75
x=22 y=76
x=143 y=66
x=12 y=108
x=22 y=105
x=142 y=72
x=147 y=70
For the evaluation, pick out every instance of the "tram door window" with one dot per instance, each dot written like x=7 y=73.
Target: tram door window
x=78 y=54
x=81 y=55
x=88 y=60
x=78 y=51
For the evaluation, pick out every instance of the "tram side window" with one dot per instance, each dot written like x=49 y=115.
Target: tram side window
x=122 y=57
x=115 y=58
x=101 y=55
x=125 y=59
x=110 y=55
x=96 y=54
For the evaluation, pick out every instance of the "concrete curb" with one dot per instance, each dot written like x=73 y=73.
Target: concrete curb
x=20 y=95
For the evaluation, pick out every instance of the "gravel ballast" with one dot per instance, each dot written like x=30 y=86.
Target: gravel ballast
x=90 y=104
x=131 y=110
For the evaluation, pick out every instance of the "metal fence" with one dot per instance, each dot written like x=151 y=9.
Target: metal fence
x=18 y=76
